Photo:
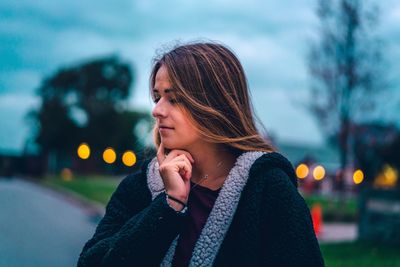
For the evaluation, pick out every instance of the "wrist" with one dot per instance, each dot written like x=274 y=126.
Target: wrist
x=175 y=203
x=179 y=197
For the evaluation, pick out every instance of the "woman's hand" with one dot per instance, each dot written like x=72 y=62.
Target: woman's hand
x=176 y=171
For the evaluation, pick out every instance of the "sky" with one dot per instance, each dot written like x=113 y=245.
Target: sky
x=270 y=38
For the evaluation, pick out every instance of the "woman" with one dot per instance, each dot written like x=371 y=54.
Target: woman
x=216 y=194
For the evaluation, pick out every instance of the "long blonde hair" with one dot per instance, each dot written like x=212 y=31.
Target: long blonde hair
x=212 y=89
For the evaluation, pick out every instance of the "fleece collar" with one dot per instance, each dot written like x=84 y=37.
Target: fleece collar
x=221 y=215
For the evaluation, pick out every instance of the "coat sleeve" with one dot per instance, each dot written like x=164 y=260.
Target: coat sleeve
x=288 y=234
x=132 y=233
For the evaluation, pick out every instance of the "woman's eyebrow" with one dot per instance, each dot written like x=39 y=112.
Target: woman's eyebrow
x=168 y=90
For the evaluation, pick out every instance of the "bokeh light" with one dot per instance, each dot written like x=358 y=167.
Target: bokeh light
x=387 y=178
x=358 y=177
x=83 y=151
x=302 y=171
x=109 y=155
x=129 y=158
x=66 y=174
x=319 y=173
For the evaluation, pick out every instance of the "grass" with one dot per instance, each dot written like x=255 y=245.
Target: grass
x=344 y=210
x=97 y=188
x=360 y=254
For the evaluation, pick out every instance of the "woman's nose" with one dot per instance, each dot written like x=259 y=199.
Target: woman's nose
x=159 y=110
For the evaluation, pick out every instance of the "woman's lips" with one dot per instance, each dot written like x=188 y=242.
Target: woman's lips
x=165 y=129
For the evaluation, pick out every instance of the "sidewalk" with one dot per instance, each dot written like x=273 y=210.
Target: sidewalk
x=338 y=232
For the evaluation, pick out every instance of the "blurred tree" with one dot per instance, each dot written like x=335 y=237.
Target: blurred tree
x=347 y=70
x=86 y=103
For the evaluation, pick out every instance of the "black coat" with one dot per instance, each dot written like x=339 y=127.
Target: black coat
x=258 y=219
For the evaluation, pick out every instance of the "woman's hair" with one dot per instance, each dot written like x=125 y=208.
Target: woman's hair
x=211 y=88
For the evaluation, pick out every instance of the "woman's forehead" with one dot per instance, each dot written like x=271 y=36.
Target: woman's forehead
x=162 y=74
x=162 y=81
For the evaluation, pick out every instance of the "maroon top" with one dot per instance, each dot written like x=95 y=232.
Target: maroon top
x=200 y=202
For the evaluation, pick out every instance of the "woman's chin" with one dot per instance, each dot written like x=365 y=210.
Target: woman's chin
x=176 y=142
x=172 y=145
x=169 y=144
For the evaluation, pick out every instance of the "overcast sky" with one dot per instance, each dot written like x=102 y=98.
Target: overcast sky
x=269 y=37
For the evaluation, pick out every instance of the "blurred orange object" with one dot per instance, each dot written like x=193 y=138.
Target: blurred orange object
x=316 y=214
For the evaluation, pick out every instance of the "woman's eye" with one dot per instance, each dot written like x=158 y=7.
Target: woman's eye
x=171 y=100
x=174 y=100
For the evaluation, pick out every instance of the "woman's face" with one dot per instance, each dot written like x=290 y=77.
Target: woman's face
x=175 y=129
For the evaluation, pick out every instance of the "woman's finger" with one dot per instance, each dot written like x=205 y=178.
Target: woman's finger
x=183 y=158
x=185 y=167
x=177 y=152
x=161 y=153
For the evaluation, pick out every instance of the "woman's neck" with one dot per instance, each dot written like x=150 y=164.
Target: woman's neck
x=213 y=161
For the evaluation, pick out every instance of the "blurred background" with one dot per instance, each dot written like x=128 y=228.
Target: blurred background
x=75 y=112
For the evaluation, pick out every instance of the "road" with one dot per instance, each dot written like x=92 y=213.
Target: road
x=39 y=227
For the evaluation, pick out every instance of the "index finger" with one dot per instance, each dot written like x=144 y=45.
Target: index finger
x=178 y=152
x=161 y=153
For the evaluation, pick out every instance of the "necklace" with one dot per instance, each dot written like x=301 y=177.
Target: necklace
x=205 y=176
